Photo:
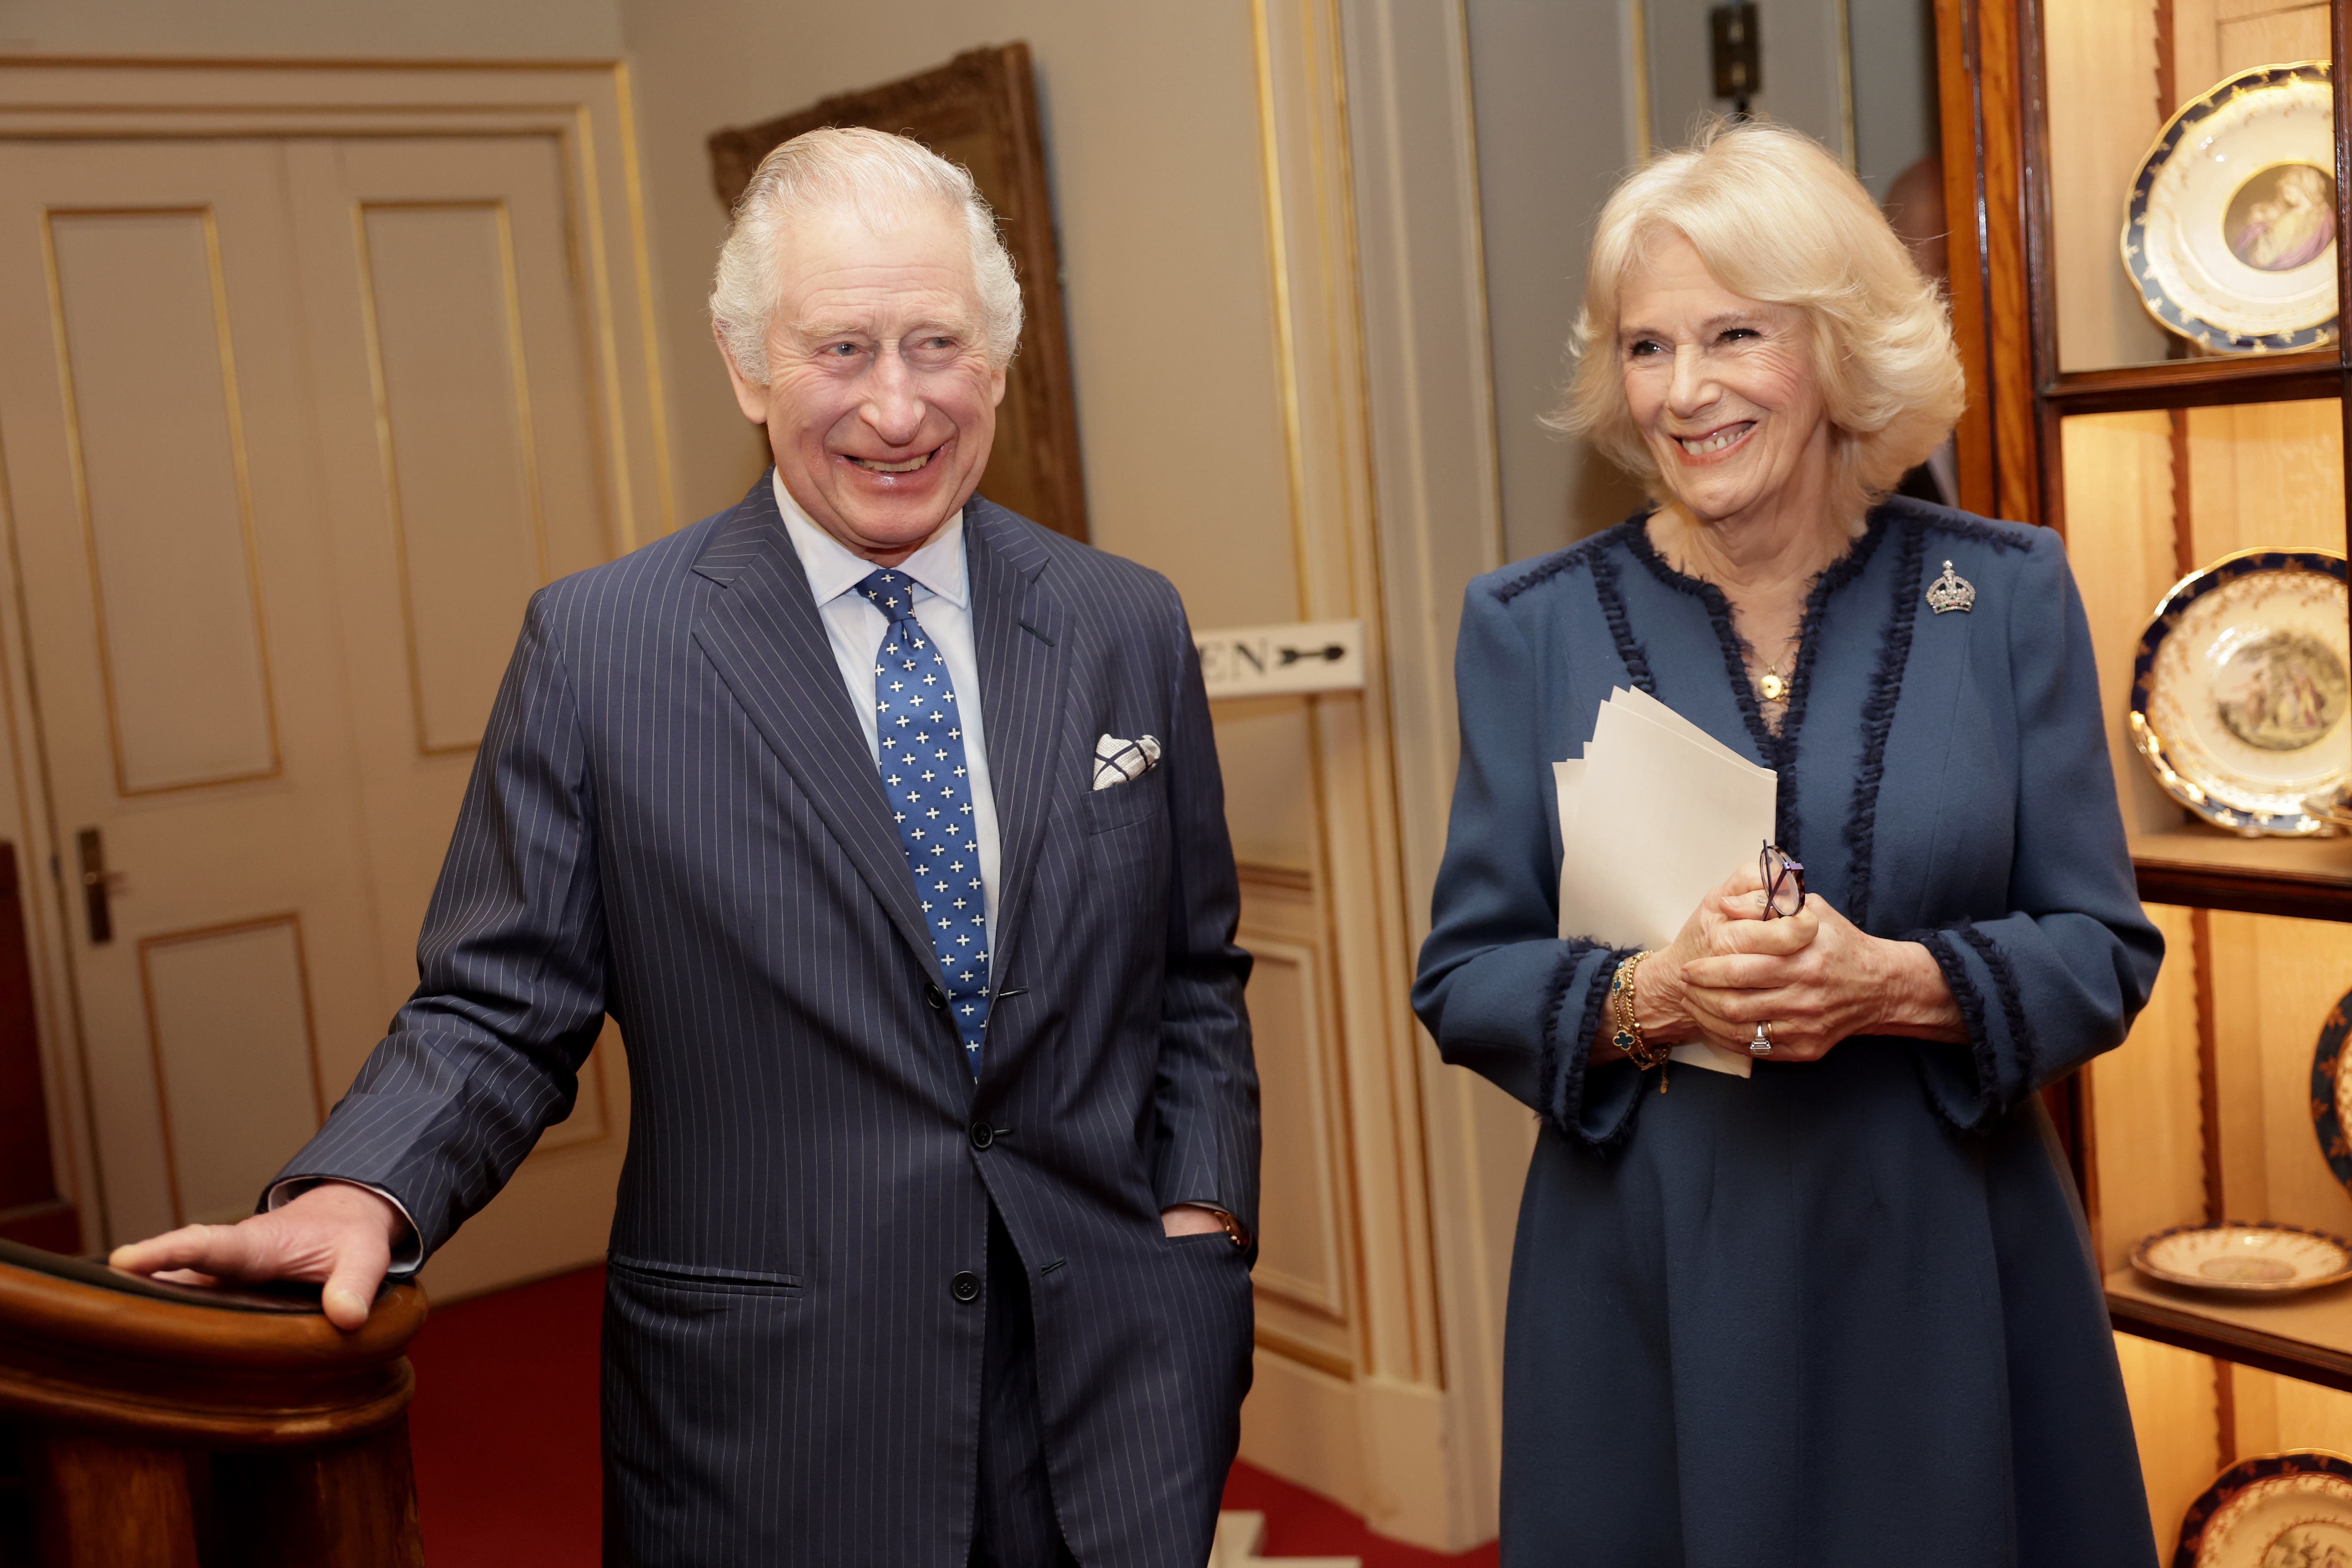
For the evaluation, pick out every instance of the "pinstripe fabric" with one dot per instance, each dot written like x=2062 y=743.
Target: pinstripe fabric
x=674 y=818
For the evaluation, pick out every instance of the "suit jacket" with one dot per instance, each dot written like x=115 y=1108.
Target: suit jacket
x=674 y=819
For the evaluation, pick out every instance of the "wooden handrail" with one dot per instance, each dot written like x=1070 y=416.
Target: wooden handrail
x=177 y=1426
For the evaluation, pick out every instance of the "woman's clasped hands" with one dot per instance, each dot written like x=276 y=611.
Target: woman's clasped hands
x=1812 y=976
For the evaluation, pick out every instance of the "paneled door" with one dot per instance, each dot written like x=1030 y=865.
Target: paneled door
x=293 y=429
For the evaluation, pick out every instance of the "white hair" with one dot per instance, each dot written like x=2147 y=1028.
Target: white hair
x=879 y=177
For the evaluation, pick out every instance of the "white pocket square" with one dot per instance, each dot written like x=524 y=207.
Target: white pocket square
x=1118 y=760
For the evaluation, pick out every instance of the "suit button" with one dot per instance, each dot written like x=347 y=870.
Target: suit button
x=982 y=1135
x=934 y=995
x=965 y=1286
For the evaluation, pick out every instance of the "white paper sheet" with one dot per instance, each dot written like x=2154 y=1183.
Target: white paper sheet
x=1654 y=816
x=1649 y=708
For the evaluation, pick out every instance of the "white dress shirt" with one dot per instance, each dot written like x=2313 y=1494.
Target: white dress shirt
x=857 y=630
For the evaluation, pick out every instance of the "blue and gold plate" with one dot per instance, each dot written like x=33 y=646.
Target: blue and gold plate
x=2293 y=1508
x=2230 y=233
x=2240 y=690
x=2331 y=1093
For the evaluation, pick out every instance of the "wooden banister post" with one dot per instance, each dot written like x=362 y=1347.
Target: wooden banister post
x=184 y=1428
x=352 y=1504
x=104 y=1500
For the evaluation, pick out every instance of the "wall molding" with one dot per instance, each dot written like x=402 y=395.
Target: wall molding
x=1437 y=499
x=1385 y=398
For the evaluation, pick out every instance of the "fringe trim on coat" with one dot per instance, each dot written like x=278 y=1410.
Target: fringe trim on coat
x=2012 y=1000
x=1878 y=718
x=1560 y=1071
x=1592 y=555
x=1972 y=1018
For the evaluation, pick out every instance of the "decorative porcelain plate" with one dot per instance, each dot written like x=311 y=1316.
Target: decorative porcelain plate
x=2240 y=691
x=2331 y=1092
x=2257 y=1259
x=2282 y=1510
x=2230 y=233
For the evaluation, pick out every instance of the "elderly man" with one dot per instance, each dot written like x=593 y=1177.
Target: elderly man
x=889 y=827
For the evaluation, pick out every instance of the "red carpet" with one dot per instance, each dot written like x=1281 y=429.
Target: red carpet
x=505 y=1433
x=504 y=1428
x=1298 y=1523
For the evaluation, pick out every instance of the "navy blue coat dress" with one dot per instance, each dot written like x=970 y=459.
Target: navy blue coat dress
x=1841 y=1312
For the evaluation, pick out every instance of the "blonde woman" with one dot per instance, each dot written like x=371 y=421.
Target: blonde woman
x=1841 y=1312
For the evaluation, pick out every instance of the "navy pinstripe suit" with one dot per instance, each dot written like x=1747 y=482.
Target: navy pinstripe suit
x=674 y=820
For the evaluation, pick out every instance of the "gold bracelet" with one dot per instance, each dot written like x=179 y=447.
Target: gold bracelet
x=1628 y=1037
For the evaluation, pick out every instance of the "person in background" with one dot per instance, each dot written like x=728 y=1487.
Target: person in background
x=1915 y=209
x=889 y=827
x=1843 y=1312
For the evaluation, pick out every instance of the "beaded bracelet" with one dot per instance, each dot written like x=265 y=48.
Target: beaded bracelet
x=1628 y=1037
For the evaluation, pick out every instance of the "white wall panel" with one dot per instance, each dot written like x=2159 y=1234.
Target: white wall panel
x=142 y=319
x=228 y=1012
x=445 y=336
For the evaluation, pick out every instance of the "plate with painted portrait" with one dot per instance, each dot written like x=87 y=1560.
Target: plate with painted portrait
x=2229 y=235
x=2281 y=1510
x=2240 y=691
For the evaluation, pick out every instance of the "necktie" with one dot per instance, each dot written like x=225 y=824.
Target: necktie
x=922 y=760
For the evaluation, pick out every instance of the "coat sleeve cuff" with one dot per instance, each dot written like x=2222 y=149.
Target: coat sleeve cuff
x=1974 y=1091
x=407 y=1254
x=1593 y=1106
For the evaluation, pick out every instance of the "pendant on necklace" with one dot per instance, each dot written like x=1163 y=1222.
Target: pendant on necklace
x=1773 y=687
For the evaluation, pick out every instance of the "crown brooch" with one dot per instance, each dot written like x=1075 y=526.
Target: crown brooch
x=1951 y=591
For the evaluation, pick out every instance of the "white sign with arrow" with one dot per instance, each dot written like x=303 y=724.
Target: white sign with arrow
x=1267 y=661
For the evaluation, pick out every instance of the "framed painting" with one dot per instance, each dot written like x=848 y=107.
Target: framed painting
x=979 y=110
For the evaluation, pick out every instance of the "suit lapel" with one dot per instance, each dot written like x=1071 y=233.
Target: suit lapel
x=1021 y=633
x=769 y=645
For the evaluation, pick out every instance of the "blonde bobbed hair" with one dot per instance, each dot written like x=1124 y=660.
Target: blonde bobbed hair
x=1775 y=218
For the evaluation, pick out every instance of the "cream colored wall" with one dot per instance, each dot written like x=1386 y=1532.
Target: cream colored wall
x=314 y=30
x=1152 y=155
x=1894 y=61
x=1547 y=160
x=1153 y=158
x=1800 y=65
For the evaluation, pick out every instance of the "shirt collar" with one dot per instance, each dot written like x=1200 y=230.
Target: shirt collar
x=834 y=571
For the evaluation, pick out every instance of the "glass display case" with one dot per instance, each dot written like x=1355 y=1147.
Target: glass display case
x=2122 y=176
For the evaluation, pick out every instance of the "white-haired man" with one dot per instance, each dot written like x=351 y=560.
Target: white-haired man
x=888 y=825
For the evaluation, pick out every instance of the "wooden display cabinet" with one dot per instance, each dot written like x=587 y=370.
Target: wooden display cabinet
x=2086 y=416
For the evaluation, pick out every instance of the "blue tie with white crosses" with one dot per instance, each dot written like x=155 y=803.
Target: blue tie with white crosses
x=921 y=737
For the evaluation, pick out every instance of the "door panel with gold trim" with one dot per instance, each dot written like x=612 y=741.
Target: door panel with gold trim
x=292 y=430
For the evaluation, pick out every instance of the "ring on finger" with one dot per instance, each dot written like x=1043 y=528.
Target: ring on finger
x=1761 y=1046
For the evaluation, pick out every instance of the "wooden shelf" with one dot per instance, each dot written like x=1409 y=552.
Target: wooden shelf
x=2307 y=1336
x=2309 y=878
x=2193 y=383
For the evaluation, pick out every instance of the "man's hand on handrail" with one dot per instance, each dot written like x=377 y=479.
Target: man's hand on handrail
x=336 y=1233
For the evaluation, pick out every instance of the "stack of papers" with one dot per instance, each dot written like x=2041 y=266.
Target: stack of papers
x=1653 y=815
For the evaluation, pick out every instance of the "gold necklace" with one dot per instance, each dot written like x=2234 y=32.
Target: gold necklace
x=1772 y=685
